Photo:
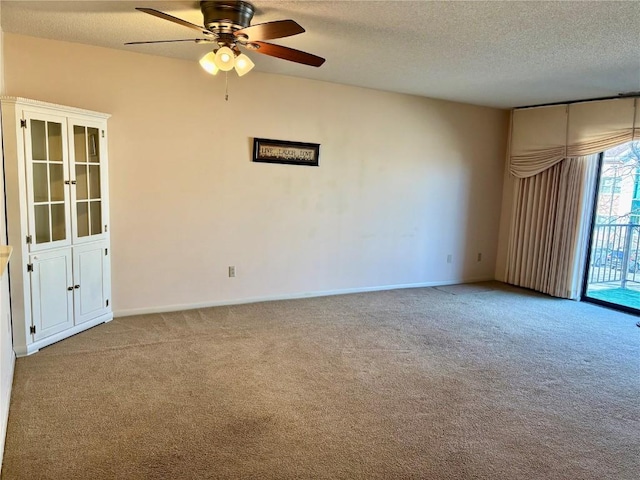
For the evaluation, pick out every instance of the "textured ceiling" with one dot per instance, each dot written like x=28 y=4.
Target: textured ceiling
x=497 y=53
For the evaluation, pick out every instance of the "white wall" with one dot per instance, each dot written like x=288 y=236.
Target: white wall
x=7 y=357
x=403 y=181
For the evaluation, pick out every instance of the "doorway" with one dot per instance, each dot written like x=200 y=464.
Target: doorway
x=613 y=274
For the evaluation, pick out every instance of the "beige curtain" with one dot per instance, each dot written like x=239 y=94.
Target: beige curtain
x=542 y=137
x=549 y=228
x=538 y=139
x=598 y=126
x=553 y=157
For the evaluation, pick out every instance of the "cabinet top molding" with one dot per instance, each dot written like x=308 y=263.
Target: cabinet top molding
x=53 y=106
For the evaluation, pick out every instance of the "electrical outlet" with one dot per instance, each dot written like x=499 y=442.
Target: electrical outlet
x=449 y=258
x=479 y=257
x=232 y=272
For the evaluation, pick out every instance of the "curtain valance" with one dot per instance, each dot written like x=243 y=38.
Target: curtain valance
x=543 y=136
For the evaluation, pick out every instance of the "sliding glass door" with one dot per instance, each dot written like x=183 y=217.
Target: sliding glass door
x=613 y=274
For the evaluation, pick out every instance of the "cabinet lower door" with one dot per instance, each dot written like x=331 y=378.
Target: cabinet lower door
x=51 y=296
x=92 y=280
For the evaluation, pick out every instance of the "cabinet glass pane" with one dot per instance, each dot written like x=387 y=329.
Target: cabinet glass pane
x=55 y=141
x=58 y=222
x=82 y=209
x=38 y=140
x=80 y=144
x=56 y=180
x=40 y=183
x=96 y=218
x=42 y=223
x=94 y=181
x=82 y=191
x=94 y=144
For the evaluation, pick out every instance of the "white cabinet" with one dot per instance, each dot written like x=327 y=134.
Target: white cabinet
x=51 y=292
x=57 y=220
x=91 y=281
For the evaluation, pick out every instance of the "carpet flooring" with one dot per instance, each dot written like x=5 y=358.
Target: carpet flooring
x=491 y=382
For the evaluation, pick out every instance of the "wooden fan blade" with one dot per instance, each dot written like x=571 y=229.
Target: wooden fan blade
x=287 y=53
x=196 y=40
x=171 y=18
x=270 y=30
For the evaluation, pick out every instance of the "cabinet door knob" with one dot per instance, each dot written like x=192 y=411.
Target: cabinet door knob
x=76 y=286
x=67 y=182
x=70 y=288
x=73 y=182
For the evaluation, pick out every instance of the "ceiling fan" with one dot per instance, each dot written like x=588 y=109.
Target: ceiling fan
x=227 y=24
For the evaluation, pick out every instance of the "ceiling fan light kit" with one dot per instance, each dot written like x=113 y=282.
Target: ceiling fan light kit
x=213 y=62
x=228 y=23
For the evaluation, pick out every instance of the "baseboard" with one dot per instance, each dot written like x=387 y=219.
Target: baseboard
x=289 y=296
x=4 y=415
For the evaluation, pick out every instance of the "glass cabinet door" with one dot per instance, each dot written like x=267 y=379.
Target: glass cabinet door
x=88 y=195
x=46 y=151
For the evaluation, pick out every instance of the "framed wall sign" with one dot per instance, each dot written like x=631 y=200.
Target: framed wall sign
x=283 y=151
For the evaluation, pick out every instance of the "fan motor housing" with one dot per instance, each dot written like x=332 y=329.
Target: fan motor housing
x=226 y=16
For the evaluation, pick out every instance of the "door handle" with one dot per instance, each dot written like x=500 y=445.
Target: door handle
x=70 y=288
x=76 y=286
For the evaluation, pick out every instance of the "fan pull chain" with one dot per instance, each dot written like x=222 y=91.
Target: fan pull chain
x=226 y=86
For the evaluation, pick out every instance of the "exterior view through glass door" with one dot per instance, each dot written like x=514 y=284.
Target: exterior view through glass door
x=613 y=274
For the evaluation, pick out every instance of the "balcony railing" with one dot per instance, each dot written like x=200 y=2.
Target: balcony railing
x=615 y=254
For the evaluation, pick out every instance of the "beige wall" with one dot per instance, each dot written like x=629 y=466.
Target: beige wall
x=7 y=357
x=403 y=181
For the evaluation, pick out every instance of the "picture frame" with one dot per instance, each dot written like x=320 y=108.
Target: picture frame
x=266 y=150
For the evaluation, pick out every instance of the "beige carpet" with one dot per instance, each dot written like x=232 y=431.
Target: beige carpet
x=465 y=288
x=418 y=383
